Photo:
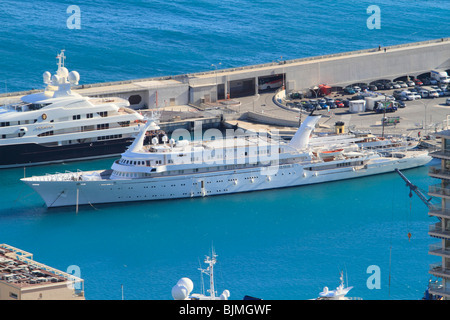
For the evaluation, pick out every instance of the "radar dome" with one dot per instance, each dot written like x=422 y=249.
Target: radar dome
x=47 y=77
x=225 y=295
x=74 y=77
x=179 y=292
x=187 y=283
x=64 y=72
x=55 y=79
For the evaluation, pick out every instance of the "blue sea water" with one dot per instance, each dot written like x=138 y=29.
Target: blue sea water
x=282 y=244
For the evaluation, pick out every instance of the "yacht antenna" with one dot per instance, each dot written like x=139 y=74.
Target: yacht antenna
x=211 y=261
x=61 y=59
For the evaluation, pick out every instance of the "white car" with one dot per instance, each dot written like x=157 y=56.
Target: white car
x=412 y=96
x=433 y=94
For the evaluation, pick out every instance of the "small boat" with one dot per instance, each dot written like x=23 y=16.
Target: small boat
x=182 y=290
x=330 y=153
x=338 y=294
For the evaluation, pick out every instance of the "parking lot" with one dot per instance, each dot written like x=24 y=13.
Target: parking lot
x=425 y=115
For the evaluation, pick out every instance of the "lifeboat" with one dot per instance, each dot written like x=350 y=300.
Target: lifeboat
x=330 y=153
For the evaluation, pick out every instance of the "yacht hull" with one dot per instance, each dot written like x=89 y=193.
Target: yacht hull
x=63 y=190
x=29 y=154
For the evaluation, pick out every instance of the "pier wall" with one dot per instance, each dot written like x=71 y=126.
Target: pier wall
x=339 y=69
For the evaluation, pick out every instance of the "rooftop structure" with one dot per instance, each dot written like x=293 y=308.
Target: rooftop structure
x=22 y=278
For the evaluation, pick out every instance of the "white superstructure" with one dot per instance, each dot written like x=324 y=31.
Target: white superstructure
x=58 y=124
x=184 y=169
x=184 y=287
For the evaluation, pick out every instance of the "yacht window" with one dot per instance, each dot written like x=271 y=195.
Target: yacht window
x=76 y=117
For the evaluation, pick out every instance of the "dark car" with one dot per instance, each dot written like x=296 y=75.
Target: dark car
x=373 y=87
x=389 y=85
x=380 y=86
x=400 y=104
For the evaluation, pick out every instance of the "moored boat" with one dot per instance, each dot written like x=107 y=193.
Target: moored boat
x=60 y=125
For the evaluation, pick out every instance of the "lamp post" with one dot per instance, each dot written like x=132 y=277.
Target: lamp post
x=425 y=120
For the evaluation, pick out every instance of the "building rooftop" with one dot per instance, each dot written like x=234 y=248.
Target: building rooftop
x=18 y=268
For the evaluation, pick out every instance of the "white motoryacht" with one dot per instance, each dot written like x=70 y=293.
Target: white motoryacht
x=59 y=125
x=183 y=289
x=184 y=169
x=340 y=293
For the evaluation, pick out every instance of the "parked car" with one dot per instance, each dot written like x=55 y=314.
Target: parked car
x=364 y=87
x=396 y=86
x=339 y=103
x=349 y=90
x=373 y=88
x=399 y=104
x=448 y=101
x=410 y=83
x=418 y=82
x=389 y=85
x=357 y=88
x=402 y=84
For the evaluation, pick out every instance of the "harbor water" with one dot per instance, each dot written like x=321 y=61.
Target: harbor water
x=277 y=244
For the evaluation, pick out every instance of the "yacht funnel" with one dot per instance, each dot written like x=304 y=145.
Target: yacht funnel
x=301 y=138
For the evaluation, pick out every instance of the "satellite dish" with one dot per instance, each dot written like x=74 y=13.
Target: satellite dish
x=74 y=77
x=47 y=77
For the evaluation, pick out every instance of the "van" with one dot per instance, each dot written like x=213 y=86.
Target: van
x=440 y=76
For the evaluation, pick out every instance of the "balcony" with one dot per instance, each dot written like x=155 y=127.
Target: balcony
x=439 y=290
x=438 y=191
x=436 y=230
x=438 y=271
x=438 y=172
x=441 y=154
x=437 y=250
x=438 y=211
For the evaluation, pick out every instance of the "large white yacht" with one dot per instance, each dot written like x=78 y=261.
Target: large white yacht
x=184 y=169
x=59 y=125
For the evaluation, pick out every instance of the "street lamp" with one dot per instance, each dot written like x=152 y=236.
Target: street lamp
x=425 y=121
